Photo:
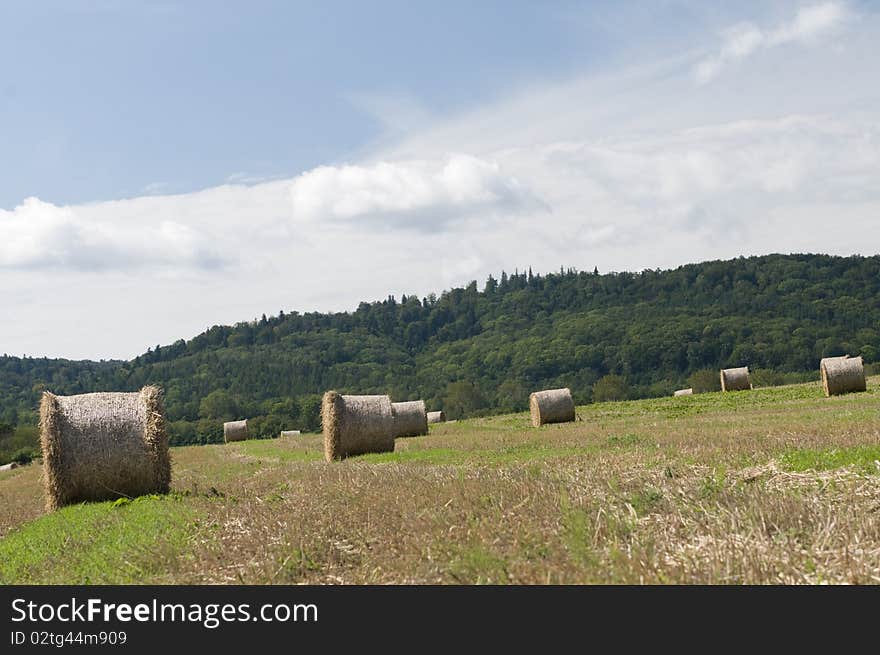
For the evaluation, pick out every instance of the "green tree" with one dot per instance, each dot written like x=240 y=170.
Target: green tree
x=218 y=405
x=610 y=387
x=512 y=396
x=462 y=398
x=705 y=380
x=310 y=413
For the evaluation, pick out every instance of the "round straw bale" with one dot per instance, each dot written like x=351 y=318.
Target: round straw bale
x=100 y=446
x=684 y=392
x=290 y=433
x=410 y=418
x=9 y=467
x=735 y=379
x=551 y=406
x=436 y=417
x=842 y=375
x=235 y=431
x=354 y=425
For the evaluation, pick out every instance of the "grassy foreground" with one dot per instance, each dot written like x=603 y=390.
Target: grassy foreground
x=778 y=485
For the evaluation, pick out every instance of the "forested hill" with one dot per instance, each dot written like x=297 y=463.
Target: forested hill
x=474 y=351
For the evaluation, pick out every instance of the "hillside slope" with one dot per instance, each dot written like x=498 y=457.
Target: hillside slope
x=475 y=352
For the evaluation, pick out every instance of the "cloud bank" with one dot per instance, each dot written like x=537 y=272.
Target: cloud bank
x=418 y=194
x=38 y=235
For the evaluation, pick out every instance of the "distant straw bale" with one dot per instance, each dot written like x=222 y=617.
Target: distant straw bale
x=436 y=417
x=235 y=431
x=410 y=418
x=290 y=433
x=735 y=379
x=101 y=446
x=9 y=467
x=842 y=375
x=354 y=425
x=684 y=392
x=551 y=406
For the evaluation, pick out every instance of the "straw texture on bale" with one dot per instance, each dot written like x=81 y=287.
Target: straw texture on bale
x=735 y=379
x=684 y=392
x=235 y=431
x=354 y=425
x=101 y=446
x=9 y=467
x=290 y=433
x=551 y=406
x=436 y=417
x=410 y=418
x=842 y=375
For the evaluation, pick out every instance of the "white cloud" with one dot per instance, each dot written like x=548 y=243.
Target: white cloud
x=38 y=235
x=744 y=39
x=806 y=155
x=420 y=194
x=809 y=23
x=691 y=194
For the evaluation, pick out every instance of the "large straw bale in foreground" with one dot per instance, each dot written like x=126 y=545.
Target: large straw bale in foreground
x=735 y=379
x=436 y=417
x=551 y=406
x=842 y=375
x=410 y=418
x=100 y=446
x=684 y=392
x=235 y=431
x=354 y=425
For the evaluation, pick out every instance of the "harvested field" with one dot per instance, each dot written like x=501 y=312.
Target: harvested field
x=779 y=485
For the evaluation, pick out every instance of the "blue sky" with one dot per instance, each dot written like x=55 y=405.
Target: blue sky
x=306 y=156
x=106 y=100
x=111 y=99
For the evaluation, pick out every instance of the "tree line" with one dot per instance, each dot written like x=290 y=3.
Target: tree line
x=473 y=351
